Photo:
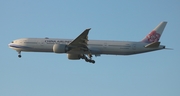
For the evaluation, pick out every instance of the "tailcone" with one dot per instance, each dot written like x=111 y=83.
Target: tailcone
x=162 y=47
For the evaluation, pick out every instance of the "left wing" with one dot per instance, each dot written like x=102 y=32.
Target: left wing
x=80 y=43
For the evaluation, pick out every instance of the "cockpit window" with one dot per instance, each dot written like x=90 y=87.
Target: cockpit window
x=12 y=42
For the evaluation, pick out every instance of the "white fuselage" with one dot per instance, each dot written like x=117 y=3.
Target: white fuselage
x=98 y=47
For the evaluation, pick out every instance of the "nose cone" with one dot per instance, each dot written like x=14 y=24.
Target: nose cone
x=10 y=45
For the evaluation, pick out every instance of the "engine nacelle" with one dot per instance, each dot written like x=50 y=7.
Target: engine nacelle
x=59 y=48
x=73 y=56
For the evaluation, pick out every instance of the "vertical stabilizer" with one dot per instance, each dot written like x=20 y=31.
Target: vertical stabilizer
x=155 y=34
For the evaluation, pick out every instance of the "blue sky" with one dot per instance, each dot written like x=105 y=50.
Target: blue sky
x=49 y=74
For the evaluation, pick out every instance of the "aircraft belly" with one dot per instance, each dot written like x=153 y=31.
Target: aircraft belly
x=38 y=48
x=117 y=51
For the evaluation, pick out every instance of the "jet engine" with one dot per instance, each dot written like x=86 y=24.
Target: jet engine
x=60 y=48
x=73 y=56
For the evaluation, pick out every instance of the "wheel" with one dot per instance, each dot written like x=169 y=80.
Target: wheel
x=86 y=60
x=93 y=61
x=19 y=56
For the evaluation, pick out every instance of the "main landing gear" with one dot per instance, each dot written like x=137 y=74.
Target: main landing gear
x=88 y=59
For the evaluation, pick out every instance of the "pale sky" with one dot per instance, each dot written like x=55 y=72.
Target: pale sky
x=49 y=74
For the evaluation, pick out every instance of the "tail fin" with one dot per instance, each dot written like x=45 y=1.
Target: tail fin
x=155 y=34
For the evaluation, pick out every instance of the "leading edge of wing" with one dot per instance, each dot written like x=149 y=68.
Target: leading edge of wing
x=81 y=40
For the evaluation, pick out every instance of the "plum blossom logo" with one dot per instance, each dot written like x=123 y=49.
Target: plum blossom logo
x=153 y=36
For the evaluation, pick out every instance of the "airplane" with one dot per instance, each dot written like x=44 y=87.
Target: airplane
x=83 y=48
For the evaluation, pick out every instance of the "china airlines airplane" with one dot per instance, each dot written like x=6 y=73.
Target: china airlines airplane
x=82 y=48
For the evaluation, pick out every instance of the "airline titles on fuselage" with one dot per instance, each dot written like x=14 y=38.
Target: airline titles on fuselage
x=57 y=41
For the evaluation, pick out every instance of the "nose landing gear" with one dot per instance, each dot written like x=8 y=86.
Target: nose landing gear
x=19 y=54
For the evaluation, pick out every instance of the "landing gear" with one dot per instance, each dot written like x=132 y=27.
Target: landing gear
x=90 y=56
x=19 y=54
x=88 y=59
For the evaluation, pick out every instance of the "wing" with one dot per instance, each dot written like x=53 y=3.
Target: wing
x=80 y=43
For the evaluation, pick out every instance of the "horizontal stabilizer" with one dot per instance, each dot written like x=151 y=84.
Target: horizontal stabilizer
x=153 y=45
x=169 y=48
